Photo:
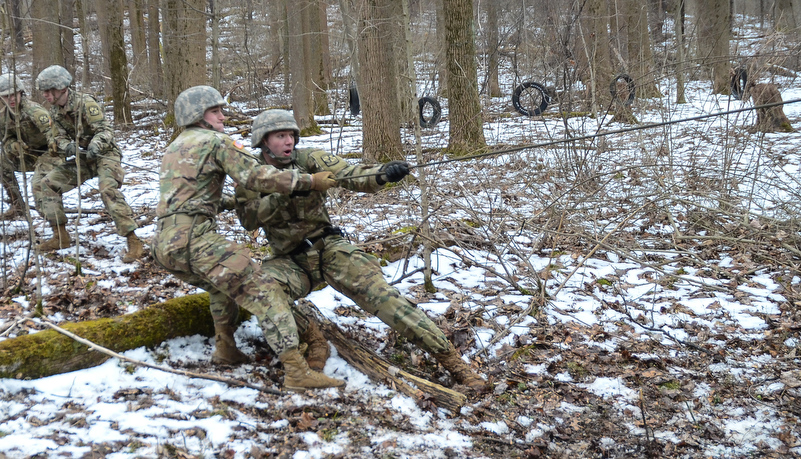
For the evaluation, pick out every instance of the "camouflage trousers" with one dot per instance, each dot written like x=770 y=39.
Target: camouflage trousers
x=357 y=275
x=68 y=176
x=39 y=165
x=191 y=249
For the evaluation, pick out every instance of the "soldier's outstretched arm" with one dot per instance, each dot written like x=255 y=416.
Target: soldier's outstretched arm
x=247 y=172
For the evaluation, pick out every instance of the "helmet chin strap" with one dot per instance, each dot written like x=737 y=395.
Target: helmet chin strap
x=284 y=160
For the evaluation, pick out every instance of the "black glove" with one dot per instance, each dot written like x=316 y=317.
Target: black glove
x=70 y=149
x=394 y=171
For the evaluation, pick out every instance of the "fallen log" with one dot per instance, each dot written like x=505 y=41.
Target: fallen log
x=377 y=368
x=48 y=352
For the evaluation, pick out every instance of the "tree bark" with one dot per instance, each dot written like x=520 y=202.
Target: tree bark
x=49 y=352
x=493 y=49
x=593 y=54
x=111 y=13
x=184 y=35
x=300 y=80
x=639 y=52
x=46 y=37
x=713 y=42
x=154 y=49
x=378 y=89
x=466 y=124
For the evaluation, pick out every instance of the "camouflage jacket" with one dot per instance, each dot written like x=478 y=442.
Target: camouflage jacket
x=194 y=167
x=93 y=128
x=288 y=219
x=36 y=129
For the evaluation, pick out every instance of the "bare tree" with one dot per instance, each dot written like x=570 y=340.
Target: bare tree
x=67 y=16
x=300 y=80
x=154 y=48
x=466 y=126
x=46 y=33
x=136 y=19
x=110 y=17
x=639 y=53
x=713 y=41
x=592 y=53
x=184 y=32
x=378 y=81
x=492 y=49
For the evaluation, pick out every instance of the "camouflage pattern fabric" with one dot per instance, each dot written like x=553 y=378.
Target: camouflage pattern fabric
x=82 y=118
x=28 y=133
x=287 y=220
x=187 y=244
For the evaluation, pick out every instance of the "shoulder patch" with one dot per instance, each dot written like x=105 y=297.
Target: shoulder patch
x=93 y=110
x=329 y=159
x=44 y=119
x=239 y=144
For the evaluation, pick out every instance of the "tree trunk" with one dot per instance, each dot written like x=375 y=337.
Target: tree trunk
x=46 y=37
x=136 y=18
x=110 y=13
x=48 y=353
x=300 y=82
x=319 y=61
x=184 y=35
x=378 y=83
x=17 y=26
x=639 y=52
x=679 y=30
x=67 y=15
x=593 y=53
x=407 y=76
x=493 y=49
x=713 y=42
x=442 y=64
x=154 y=71
x=464 y=106
x=783 y=17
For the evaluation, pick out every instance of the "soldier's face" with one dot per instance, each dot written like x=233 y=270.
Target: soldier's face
x=11 y=101
x=55 y=96
x=281 y=144
x=214 y=116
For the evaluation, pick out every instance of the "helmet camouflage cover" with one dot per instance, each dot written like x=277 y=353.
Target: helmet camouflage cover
x=53 y=77
x=192 y=103
x=270 y=121
x=11 y=84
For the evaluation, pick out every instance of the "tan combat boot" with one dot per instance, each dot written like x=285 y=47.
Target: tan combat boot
x=60 y=240
x=135 y=248
x=225 y=350
x=298 y=376
x=462 y=373
x=318 y=350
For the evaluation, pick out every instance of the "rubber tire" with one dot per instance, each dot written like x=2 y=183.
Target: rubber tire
x=435 y=117
x=629 y=82
x=739 y=80
x=546 y=98
x=353 y=101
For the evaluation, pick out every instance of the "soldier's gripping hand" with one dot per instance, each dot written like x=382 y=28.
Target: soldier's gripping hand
x=394 y=171
x=322 y=181
x=93 y=152
x=52 y=149
x=70 y=149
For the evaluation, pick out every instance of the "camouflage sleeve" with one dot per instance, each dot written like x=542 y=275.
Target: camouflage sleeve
x=364 y=177
x=103 y=138
x=62 y=137
x=41 y=118
x=247 y=206
x=247 y=172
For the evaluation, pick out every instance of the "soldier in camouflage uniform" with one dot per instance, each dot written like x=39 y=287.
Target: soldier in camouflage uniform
x=86 y=140
x=28 y=144
x=193 y=171
x=307 y=250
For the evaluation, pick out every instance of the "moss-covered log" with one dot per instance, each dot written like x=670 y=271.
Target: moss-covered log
x=48 y=352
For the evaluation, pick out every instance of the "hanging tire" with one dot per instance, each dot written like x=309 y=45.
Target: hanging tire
x=739 y=80
x=353 y=101
x=530 y=98
x=629 y=85
x=436 y=113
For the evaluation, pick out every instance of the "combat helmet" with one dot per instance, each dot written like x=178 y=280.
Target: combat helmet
x=192 y=103
x=270 y=121
x=11 y=84
x=53 y=77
